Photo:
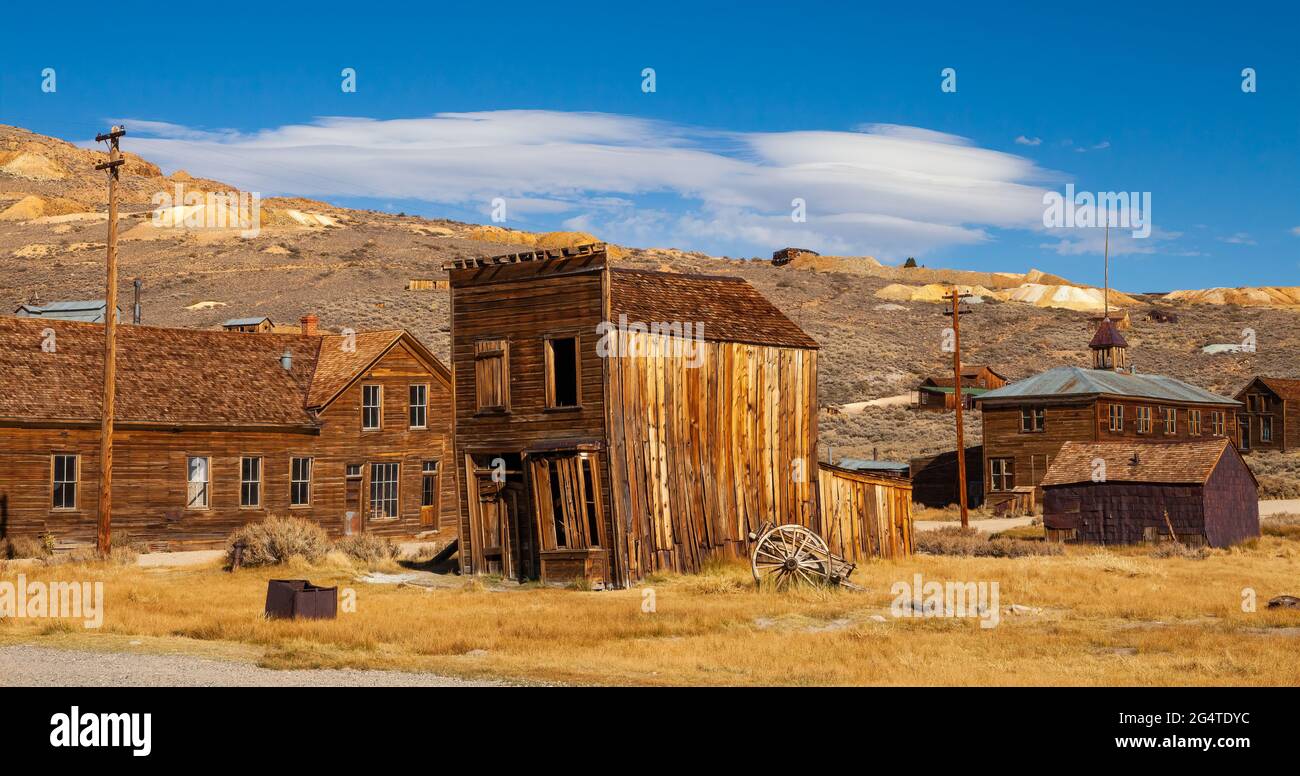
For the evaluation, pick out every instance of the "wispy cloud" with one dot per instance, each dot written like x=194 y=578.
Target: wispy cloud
x=883 y=189
x=1240 y=238
x=1029 y=141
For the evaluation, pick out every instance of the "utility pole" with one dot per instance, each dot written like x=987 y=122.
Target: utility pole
x=103 y=535
x=956 y=398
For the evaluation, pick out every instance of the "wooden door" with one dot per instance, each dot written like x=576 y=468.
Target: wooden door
x=352 y=503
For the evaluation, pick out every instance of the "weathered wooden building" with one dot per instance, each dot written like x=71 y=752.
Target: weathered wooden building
x=611 y=422
x=937 y=393
x=1125 y=492
x=1025 y=423
x=864 y=515
x=214 y=429
x=1270 y=415
x=935 y=482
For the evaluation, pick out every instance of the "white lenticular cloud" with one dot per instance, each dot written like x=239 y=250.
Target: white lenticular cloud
x=883 y=189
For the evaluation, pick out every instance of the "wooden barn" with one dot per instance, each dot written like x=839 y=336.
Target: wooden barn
x=1026 y=422
x=1270 y=415
x=935 y=481
x=864 y=515
x=214 y=429
x=611 y=422
x=1200 y=493
x=937 y=393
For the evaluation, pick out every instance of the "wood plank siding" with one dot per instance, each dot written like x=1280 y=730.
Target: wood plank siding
x=223 y=397
x=865 y=516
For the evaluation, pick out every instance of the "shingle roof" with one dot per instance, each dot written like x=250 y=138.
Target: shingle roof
x=1107 y=336
x=729 y=307
x=1077 y=382
x=175 y=376
x=1168 y=463
x=1287 y=389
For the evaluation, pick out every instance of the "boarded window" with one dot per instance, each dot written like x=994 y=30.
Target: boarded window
x=1032 y=419
x=563 y=378
x=567 y=490
x=299 y=482
x=419 y=404
x=197 y=480
x=1117 y=417
x=492 y=374
x=372 y=407
x=1002 y=473
x=64 y=476
x=383 y=490
x=1194 y=422
x=250 y=482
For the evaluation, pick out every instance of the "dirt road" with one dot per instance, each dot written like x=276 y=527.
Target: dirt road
x=28 y=666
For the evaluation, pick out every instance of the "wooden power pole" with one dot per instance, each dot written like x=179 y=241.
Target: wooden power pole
x=956 y=398
x=104 y=538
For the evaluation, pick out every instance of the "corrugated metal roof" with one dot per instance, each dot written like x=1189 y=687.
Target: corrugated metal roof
x=1073 y=381
x=966 y=390
x=245 y=321
x=88 y=311
x=862 y=464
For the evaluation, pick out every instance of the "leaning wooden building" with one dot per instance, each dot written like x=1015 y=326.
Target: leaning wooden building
x=611 y=422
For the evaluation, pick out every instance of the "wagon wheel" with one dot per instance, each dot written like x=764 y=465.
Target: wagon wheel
x=790 y=554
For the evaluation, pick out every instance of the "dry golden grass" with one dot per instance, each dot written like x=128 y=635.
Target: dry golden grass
x=1096 y=617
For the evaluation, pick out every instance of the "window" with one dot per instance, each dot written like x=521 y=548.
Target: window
x=492 y=375
x=1266 y=428
x=1117 y=417
x=1032 y=419
x=299 y=482
x=1171 y=419
x=1217 y=423
x=1194 y=422
x=1144 y=420
x=429 y=484
x=197 y=478
x=64 y=481
x=250 y=482
x=563 y=377
x=353 y=471
x=372 y=407
x=419 y=404
x=1002 y=473
x=383 y=490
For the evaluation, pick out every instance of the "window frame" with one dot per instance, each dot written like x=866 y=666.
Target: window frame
x=1169 y=420
x=1115 y=417
x=397 y=491
x=378 y=408
x=548 y=374
x=75 y=481
x=1037 y=417
x=1144 y=422
x=311 y=468
x=425 y=476
x=1266 y=429
x=423 y=406
x=259 y=482
x=207 y=483
x=1218 y=423
x=1194 y=427
x=1008 y=466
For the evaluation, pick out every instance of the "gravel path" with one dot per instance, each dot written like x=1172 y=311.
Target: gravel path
x=28 y=666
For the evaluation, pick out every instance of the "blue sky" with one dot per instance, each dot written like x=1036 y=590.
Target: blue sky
x=755 y=104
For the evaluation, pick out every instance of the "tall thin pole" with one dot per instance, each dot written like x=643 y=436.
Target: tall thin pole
x=956 y=397
x=103 y=537
x=1106 y=271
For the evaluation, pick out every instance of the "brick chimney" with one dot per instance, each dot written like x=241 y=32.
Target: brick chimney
x=308 y=323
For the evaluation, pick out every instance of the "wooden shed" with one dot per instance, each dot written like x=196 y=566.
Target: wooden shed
x=1128 y=492
x=612 y=422
x=864 y=515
